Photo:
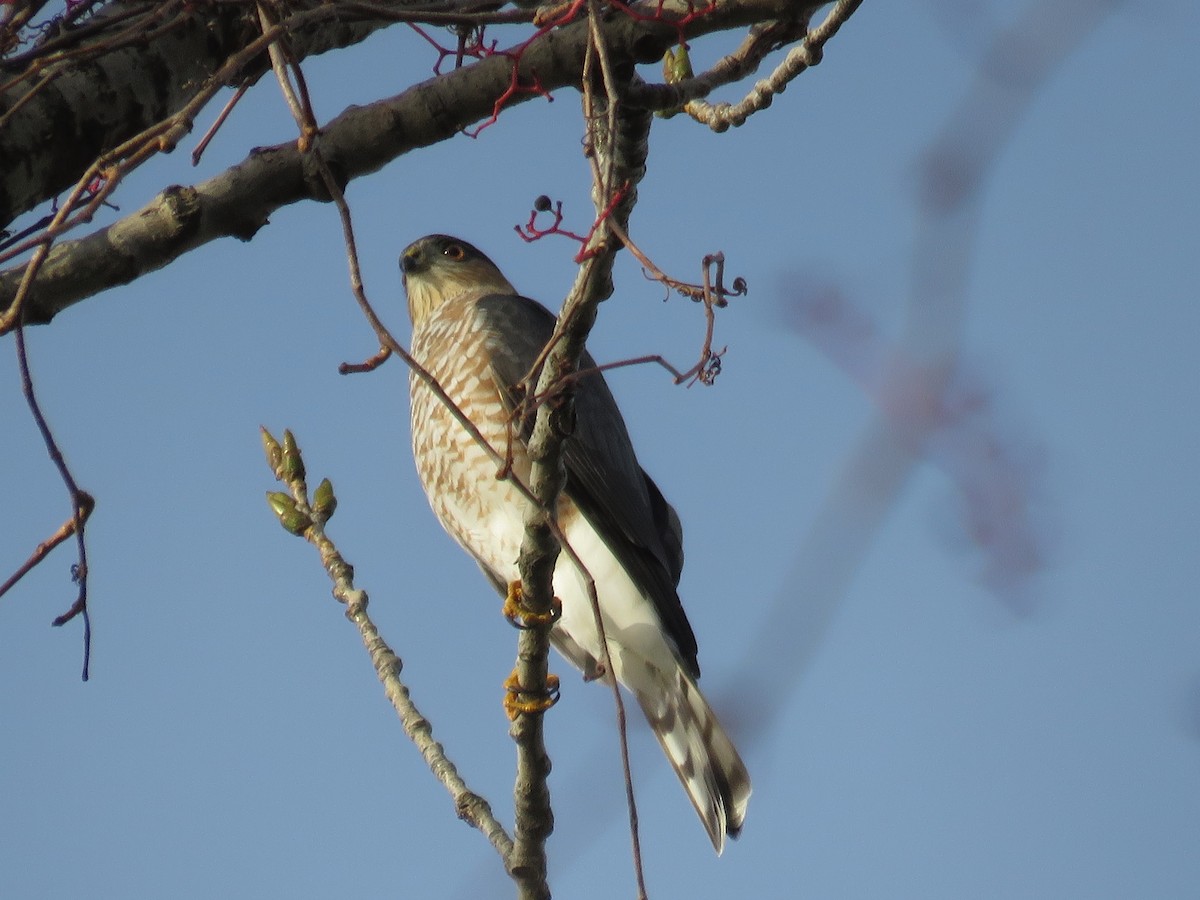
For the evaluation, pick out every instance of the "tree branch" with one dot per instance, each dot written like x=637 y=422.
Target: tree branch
x=307 y=519
x=720 y=116
x=361 y=140
x=131 y=65
x=617 y=145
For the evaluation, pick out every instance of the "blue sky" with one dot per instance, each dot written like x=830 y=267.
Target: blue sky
x=914 y=727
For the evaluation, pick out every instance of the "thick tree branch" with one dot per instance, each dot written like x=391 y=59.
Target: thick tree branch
x=134 y=64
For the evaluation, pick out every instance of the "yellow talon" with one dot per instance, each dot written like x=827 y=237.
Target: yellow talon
x=515 y=705
x=520 y=616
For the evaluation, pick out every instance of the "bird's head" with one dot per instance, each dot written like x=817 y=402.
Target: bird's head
x=437 y=268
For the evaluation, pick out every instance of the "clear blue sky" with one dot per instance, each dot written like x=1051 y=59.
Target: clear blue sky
x=943 y=737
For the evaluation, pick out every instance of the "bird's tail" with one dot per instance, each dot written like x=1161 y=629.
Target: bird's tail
x=701 y=754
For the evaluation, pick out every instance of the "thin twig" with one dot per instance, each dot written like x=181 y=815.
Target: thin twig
x=711 y=294
x=470 y=806
x=721 y=116
x=760 y=41
x=82 y=505
x=42 y=550
x=203 y=143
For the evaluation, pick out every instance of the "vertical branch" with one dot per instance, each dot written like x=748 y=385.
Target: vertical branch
x=616 y=144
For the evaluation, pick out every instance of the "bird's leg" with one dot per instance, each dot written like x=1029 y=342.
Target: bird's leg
x=515 y=695
x=521 y=616
x=517 y=699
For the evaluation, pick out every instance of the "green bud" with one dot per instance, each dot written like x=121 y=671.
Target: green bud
x=280 y=502
x=272 y=449
x=293 y=465
x=297 y=523
x=324 y=502
x=677 y=65
x=289 y=516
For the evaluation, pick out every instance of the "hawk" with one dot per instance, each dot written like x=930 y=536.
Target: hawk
x=479 y=339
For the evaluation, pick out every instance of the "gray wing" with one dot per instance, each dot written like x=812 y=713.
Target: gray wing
x=604 y=478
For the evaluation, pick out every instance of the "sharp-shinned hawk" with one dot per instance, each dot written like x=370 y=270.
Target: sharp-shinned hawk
x=478 y=338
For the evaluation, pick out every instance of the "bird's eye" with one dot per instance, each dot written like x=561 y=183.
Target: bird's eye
x=454 y=252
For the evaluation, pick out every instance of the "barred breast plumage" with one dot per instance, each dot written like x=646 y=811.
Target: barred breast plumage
x=459 y=476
